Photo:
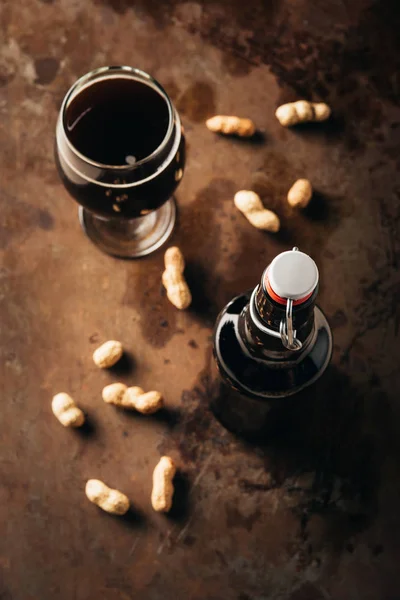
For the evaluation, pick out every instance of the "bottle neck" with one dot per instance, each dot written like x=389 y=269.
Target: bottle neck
x=263 y=326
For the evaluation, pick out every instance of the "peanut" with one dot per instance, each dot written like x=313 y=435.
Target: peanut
x=302 y=111
x=300 y=193
x=66 y=411
x=114 y=393
x=249 y=203
x=108 y=354
x=112 y=501
x=231 y=125
x=163 y=488
x=145 y=403
x=178 y=292
x=133 y=398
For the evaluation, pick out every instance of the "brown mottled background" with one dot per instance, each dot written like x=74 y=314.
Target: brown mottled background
x=313 y=517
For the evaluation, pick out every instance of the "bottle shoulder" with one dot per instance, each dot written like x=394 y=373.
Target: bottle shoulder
x=255 y=376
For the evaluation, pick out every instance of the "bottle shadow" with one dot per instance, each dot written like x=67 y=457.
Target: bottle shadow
x=318 y=447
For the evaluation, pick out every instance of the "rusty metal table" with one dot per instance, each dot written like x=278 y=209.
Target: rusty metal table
x=312 y=517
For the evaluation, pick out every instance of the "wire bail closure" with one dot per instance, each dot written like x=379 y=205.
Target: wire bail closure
x=287 y=333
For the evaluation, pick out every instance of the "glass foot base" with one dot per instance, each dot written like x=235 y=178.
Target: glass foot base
x=130 y=238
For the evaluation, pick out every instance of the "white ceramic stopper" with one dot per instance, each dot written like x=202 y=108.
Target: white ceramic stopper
x=293 y=275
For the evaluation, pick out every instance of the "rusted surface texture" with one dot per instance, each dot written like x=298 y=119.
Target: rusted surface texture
x=311 y=516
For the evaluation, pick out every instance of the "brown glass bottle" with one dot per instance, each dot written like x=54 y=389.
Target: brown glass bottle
x=257 y=366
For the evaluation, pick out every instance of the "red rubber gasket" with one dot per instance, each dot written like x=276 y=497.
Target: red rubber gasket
x=280 y=300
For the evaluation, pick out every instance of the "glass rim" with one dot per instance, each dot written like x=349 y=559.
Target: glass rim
x=91 y=76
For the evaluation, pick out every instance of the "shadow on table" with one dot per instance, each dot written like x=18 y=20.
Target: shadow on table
x=257 y=139
x=210 y=293
x=319 y=208
x=332 y=128
x=180 y=507
x=203 y=303
x=320 y=447
x=125 y=366
x=168 y=415
x=133 y=518
x=88 y=429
